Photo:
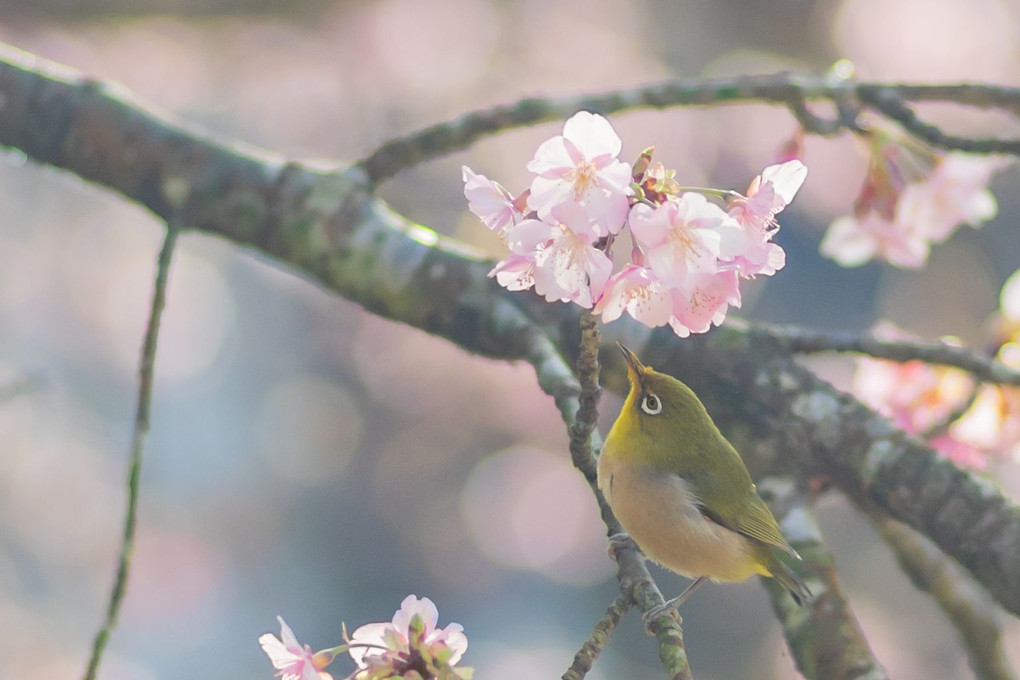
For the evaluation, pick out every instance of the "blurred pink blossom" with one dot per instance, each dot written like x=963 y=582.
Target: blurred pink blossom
x=920 y=398
x=291 y=659
x=409 y=646
x=853 y=241
x=991 y=426
x=915 y=395
x=913 y=196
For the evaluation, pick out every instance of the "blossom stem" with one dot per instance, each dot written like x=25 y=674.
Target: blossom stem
x=724 y=194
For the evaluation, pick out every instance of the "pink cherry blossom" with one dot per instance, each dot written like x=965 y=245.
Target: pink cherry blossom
x=560 y=263
x=680 y=237
x=291 y=659
x=493 y=204
x=919 y=398
x=516 y=272
x=688 y=253
x=410 y=643
x=750 y=249
x=639 y=292
x=581 y=167
x=703 y=301
x=579 y=270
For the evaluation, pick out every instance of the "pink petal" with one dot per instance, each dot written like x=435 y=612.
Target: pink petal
x=516 y=272
x=290 y=640
x=637 y=291
x=369 y=634
x=529 y=236
x=488 y=200
x=848 y=243
x=278 y=654
x=552 y=159
x=786 y=180
x=453 y=638
x=592 y=134
x=705 y=302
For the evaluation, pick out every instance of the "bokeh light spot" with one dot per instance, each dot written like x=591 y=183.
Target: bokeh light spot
x=308 y=428
x=930 y=40
x=530 y=510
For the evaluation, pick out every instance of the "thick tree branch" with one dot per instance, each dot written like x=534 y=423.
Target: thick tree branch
x=327 y=225
x=969 y=609
x=824 y=636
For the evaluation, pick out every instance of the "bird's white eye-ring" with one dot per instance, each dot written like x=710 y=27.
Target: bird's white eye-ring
x=651 y=404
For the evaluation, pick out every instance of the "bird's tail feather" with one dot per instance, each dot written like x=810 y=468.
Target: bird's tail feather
x=789 y=580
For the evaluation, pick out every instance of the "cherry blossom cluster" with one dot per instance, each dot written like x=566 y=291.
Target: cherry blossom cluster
x=972 y=425
x=913 y=196
x=411 y=646
x=690 y=247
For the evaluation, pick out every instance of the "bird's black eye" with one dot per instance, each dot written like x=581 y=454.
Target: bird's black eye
x=651 y=404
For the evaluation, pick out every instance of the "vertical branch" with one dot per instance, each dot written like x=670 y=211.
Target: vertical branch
x=642 y=589
x=588 y=402
x=141 y=428
x=578 y=409
x=968 y=608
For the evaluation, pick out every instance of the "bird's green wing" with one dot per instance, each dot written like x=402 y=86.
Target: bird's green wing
x=757 y=522
x=745 y=513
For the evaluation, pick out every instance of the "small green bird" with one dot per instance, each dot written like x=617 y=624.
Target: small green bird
x=682 y=492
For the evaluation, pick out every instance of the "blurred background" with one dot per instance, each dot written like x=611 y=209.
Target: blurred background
x=309 y=460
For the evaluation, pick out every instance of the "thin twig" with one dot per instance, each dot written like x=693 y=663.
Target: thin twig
x=974 y=615
x=145 y=378
x=24 y=385
x=978 y=95
x=787 y=89
x=890 y=103
x=941 y=427
x=798 y=340
x=593 y=646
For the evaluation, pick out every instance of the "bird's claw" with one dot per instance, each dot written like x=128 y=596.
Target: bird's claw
x=650 y=616
x=621 y=541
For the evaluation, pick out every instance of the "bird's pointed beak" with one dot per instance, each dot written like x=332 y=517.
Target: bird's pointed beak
x=635 y=369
